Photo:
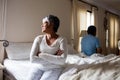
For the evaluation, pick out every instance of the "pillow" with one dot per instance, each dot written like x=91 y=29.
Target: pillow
x=18 y=50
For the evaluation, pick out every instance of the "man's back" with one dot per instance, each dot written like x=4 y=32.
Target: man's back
x=89 y=44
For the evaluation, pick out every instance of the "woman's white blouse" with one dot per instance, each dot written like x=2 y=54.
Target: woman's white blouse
x=46 y=58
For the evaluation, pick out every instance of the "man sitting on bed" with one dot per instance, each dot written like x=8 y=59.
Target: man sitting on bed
x=90 y=44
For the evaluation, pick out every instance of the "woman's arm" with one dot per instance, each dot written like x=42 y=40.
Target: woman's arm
x=61 y=55
x=35 y=49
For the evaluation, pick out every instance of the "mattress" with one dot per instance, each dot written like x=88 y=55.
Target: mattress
x=17 y=68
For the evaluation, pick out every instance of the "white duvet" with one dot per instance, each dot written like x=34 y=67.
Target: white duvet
x=18 y=68
x=96 y=67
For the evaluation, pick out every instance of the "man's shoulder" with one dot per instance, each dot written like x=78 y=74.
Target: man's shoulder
x=89 y=37
x=86 y=37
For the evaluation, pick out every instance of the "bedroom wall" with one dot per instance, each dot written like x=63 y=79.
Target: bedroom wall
x=101 y=31
x=0 y=15
x=24 y=17
x=1 y=18
x=1 y=28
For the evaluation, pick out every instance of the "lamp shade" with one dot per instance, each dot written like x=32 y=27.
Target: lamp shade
x=83 y=33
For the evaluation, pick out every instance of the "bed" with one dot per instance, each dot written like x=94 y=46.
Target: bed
x=95 y=67
x=16 y=60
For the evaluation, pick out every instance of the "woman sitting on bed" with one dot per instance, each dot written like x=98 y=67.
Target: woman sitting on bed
x=49 y=51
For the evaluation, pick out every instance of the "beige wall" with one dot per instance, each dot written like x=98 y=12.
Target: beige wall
x=100 y=29
x=1 y=29
x=23 y=18
x=0 y=15
x=1 y=18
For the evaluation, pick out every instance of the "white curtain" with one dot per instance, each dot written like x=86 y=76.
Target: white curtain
x=3 y=6
x=79 y=21
x=3 y=9
x=83 y=16
x=113 y=33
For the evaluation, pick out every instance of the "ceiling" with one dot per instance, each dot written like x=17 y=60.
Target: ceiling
x=110 y=3
x=113 y=5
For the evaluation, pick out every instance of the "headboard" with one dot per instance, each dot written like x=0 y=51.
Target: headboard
x=17 y=50
x=3 y=45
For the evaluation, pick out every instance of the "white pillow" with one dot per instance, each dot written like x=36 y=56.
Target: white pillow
x=18 y=50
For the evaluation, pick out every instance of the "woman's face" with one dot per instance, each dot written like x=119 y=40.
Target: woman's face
x=46 y=27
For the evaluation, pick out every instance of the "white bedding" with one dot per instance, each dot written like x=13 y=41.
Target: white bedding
x=96 y=67
x=18 y=68
x=95 y=58
x=77 y=68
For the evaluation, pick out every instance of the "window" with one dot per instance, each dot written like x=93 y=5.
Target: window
x=83 y=17
x=90 y=18
x=83 y=30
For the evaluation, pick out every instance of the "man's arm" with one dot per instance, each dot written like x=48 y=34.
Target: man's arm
x=99 y=50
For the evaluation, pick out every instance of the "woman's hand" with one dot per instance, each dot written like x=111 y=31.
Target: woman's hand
x=59 y=52
x=38 y=54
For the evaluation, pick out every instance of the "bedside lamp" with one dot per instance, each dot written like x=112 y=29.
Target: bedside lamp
x=83 y=33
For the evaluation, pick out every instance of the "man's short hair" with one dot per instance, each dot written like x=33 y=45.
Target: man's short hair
x=91 y=30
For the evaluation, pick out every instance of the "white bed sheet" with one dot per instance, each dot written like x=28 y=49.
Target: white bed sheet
x=95 y=67
x=18 y=68
x=94 y=59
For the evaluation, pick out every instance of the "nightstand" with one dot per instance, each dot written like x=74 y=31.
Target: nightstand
x=1 y=71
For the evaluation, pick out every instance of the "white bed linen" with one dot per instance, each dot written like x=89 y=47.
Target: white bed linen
x=18 y=50
x=94 y=59
x=75 y=63
x=18 y=68
x=96 y=67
